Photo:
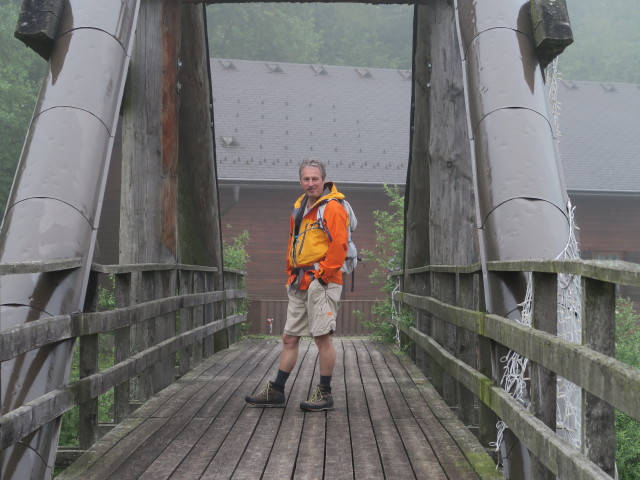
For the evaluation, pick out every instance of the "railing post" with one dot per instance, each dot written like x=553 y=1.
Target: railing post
x=488 y=419
x=220 y=340
x=141 y=291
x=88 y=411
x=443 y=287
x=122 y=392
x=208 y=312
x=232 y=306
x=169 y=289
x=544 y=382
x=465 y=347
x=185 y=279
x=421 y=285
x=598 y=333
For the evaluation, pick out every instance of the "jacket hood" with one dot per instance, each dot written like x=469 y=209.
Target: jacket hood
x=330 y=192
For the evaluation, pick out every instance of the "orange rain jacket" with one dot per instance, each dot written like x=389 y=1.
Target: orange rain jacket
x=314 y=252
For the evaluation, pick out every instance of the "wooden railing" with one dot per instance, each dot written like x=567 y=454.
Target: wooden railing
x=168 y=317
x=453 y=338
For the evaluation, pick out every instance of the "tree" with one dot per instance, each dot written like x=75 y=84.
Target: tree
x=606 y=37
x=265 y=31
x=330 y=34
x=627 y=351
x=21 y=72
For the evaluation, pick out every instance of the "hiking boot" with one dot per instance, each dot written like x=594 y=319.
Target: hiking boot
x=269 y=397
x=320 y=400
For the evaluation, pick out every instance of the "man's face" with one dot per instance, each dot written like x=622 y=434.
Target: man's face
x=311 y=182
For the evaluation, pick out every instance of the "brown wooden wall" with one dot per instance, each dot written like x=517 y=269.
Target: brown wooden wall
x=609 y=224
x=264 y=212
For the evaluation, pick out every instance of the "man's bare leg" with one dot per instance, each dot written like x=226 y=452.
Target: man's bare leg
x=327 y=354
x=289 y=355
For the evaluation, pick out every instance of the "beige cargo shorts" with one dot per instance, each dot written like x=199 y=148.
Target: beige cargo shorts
x=313 y=312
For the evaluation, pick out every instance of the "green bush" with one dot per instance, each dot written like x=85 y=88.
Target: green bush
x=388 y=256
x=627 y=351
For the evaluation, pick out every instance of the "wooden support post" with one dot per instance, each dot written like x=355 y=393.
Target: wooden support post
x=148 y=219
x=88 y=411
x=199 y=230
x=440 y=202
x=121 y=393
x=544 y=382
x=417 y=190
x=598 y=334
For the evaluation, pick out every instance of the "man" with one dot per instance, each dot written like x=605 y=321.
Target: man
x=317 y=249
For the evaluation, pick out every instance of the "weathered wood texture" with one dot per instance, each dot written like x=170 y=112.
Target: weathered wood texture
x=417 y=190
x=150 y=138
x=599 y=333
x=551 y=28
x=544 y=317
x=148 y=231
x=199 y=233
x=606 y=383
x=388 y=423
x=128 y=364
x=439 y=194
x=38 y=24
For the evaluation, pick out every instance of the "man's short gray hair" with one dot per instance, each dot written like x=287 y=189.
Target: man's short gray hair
x=313 y=162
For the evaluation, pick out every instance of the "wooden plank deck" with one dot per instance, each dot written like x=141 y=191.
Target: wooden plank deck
x=388 y=423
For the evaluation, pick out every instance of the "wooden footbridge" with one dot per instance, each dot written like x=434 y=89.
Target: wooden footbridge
x=390 y=420
x=483 y=190
x=388 y=423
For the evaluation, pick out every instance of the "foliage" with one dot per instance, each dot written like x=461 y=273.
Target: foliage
x=21 y=72
x=107 y=296
x=235 y=252
x=627 y=351
x=330 y=34
x=388 y=256
x=606 y=38
x=236 y=255
x=71 y=419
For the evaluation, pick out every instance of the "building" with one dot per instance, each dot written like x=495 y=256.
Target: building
x=269 y=116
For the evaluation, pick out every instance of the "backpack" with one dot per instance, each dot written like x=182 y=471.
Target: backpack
x=352 y=251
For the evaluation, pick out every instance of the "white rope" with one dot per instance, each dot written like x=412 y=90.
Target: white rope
x=569 y=396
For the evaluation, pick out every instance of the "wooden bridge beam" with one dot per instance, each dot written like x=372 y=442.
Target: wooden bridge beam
x=148 y=232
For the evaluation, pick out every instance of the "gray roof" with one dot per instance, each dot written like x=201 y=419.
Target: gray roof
x=355 y=120
x=600 y=136
x=269 y=116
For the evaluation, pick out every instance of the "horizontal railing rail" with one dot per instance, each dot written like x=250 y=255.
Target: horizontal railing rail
x=155 y=340
x=606 y=383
